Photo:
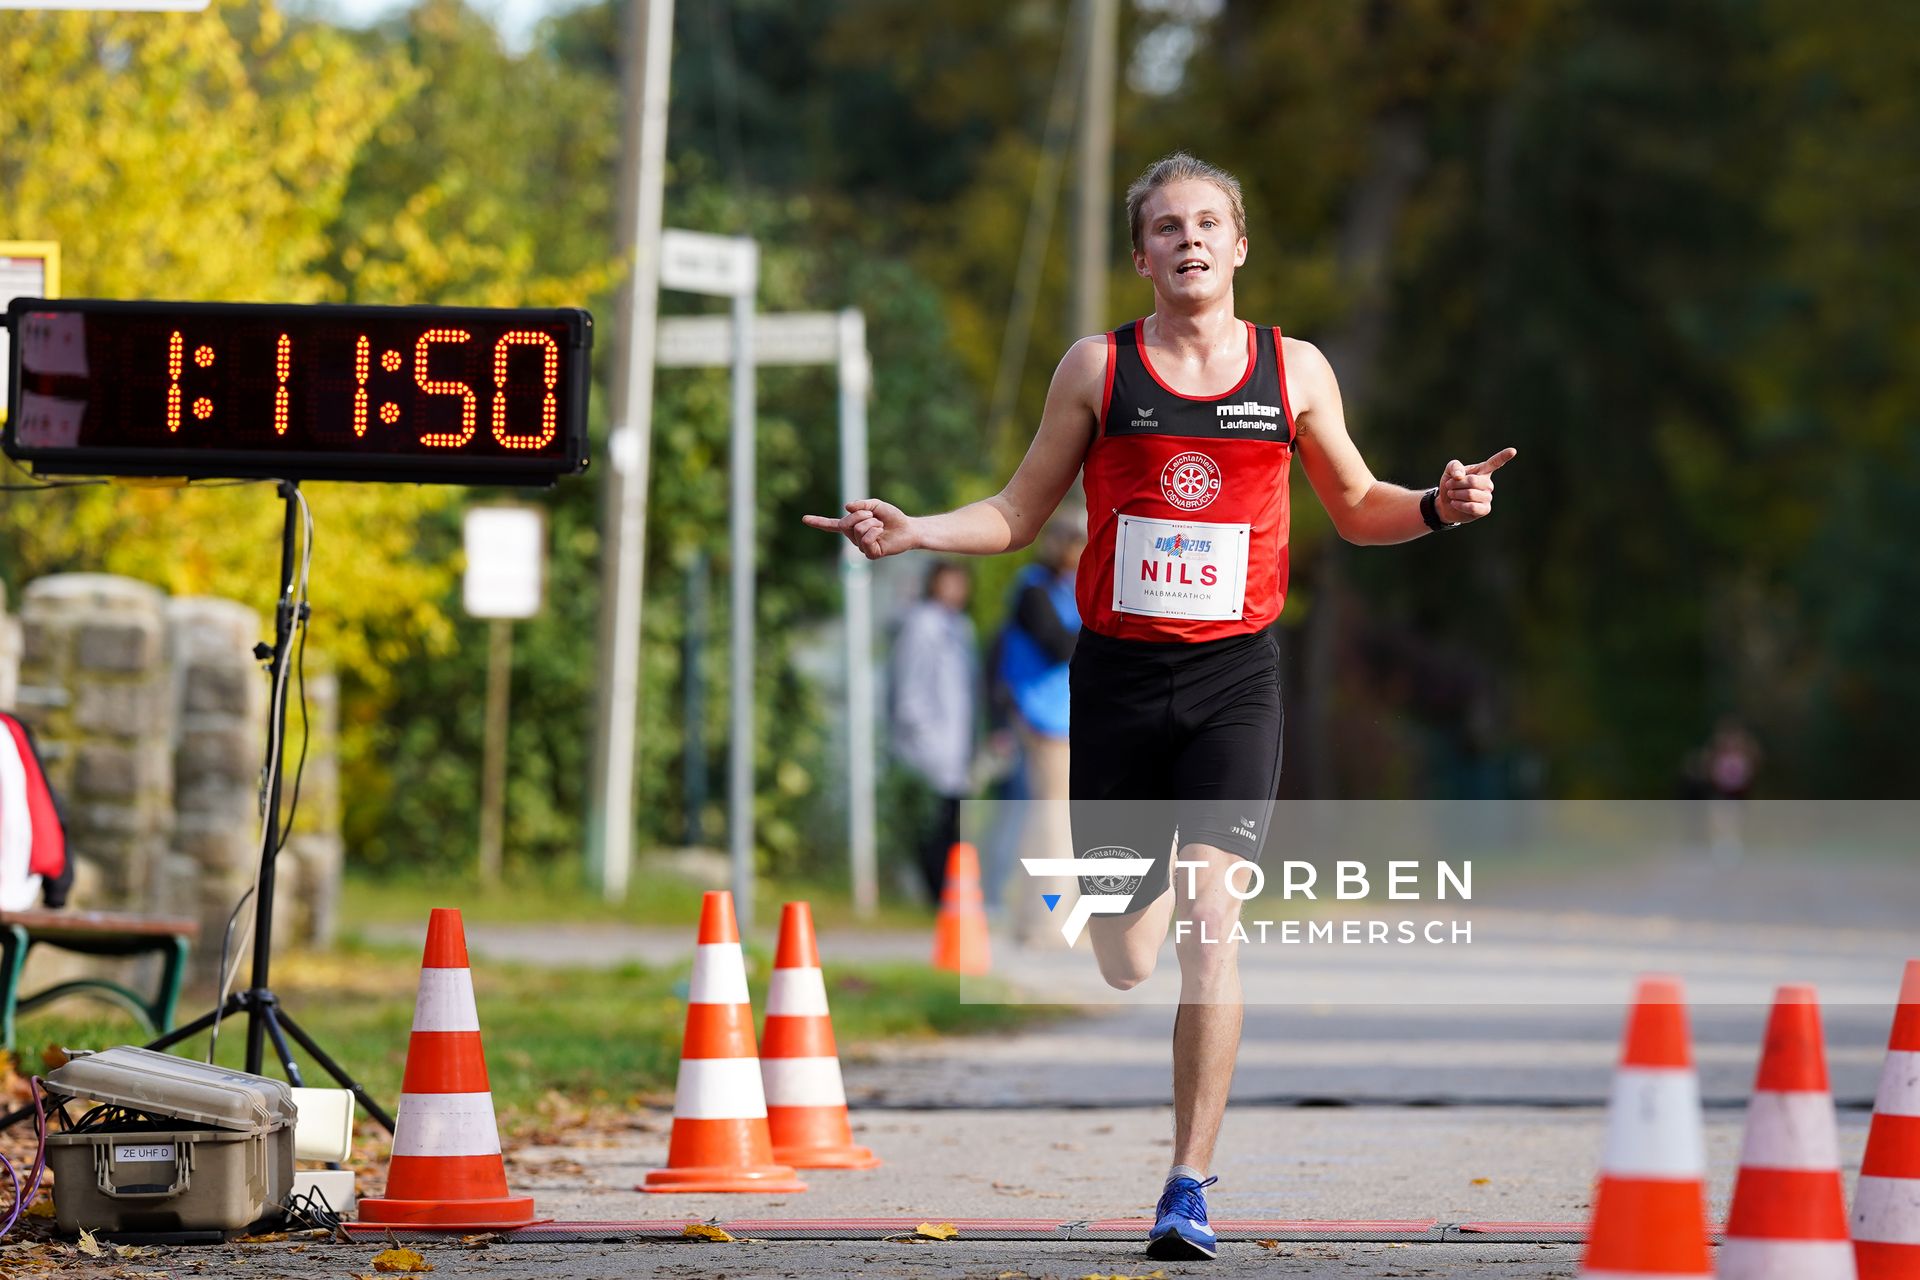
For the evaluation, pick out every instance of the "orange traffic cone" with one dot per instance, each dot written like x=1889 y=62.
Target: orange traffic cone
x=806 y=1101
x=446 y=1169
x=1886 y=1201
x=1789 y=1215
x=960 y=932
x=1650 y=1212
x=720 y=1140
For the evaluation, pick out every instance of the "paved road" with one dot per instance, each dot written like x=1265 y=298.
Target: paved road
x=1452 y=1084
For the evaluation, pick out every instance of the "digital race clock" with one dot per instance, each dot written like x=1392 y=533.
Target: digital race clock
x=457 y=395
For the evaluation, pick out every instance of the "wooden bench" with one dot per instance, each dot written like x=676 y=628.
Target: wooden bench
x=94 y=933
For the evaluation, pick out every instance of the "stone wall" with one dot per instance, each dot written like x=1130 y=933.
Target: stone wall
x=151 y=713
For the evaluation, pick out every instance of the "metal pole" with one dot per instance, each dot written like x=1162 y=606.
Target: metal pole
x=740 y=523
x=493 y=771
x=855 y=385
x=624 y=525
x=693 y=686
x=283 y=620
x=1092 y=236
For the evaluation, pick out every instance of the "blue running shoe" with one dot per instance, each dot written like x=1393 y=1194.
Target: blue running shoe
x=1180 y=1229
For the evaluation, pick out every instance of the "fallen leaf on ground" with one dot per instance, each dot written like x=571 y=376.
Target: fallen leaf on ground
x=704 y=1231
x=482 y=1240
x=134 y=1251
x=1155 y=1274
x=1481 y=1182
x=265 y=1237
x=89 y=1245
x=1268 y=1244
x=400 y=1262
x=937 y=1231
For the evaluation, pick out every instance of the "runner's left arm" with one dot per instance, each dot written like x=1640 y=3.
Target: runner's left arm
x=1365 y=510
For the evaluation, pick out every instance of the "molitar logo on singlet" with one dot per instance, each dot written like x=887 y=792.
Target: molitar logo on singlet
x=1248 y=417
x=1190 y=481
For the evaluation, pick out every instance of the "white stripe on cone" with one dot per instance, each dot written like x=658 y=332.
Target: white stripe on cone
x=719 y=1089
x=1654 y=1126
x=719 y=974
x=797 y=993
x=445 y=1124
x=1786 y=1260
x=1899 y=1093
x=1790 y=1131
x=803 y=1082
x=1887 y=1210
x=445 y=1002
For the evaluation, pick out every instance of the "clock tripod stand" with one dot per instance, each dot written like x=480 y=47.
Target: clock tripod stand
x=267 y=1019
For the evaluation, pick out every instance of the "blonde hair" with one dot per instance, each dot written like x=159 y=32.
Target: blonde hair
x=1181 y=167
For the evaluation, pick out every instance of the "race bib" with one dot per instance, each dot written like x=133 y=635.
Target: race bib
x=1180 y=568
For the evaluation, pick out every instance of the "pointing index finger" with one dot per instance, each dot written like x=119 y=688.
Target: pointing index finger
x=1494 y=463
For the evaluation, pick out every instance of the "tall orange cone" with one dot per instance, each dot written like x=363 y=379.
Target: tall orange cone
x=960 y=932
x=1789 y=1215
x=1650 y=1211
x=720 y=1140
x=1886 y=1202
x=446 y=1169
x=806 y=1100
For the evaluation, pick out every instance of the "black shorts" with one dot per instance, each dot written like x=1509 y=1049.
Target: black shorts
x=1172 y=740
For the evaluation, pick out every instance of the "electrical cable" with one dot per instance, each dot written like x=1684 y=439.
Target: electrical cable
x=22 y=1199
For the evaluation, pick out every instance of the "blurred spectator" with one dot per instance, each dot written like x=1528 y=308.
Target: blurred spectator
x=1039 y=639
x=932 y=711
x=1722 y=773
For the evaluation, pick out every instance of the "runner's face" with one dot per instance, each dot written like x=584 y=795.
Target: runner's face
x=1189 y=246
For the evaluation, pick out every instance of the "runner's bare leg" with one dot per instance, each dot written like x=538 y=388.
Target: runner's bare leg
x=1206 y=1031
x=1127 y=947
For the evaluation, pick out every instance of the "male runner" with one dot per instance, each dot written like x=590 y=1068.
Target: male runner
x=1184 y=424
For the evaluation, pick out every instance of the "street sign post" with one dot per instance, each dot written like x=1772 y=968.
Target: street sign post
x=729 y=267
x=506 y=555
x=838 y=338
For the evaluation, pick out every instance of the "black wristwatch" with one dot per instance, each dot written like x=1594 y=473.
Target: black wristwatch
x=1430 y=511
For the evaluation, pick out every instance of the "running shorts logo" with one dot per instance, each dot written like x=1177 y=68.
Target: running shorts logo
x=1104 y=883
x=1190 y=481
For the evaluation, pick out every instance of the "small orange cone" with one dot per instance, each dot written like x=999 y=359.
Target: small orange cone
x=806 y=1100
x=446 y=1169
x=1650 y=1211
x=720 y=1140
x=1789 y=1214
x=1886 y=1201
x=960 y=932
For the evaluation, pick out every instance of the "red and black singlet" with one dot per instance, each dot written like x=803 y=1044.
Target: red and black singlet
x=1187 y=500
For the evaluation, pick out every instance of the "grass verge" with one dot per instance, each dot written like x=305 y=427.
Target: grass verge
x=599 y=1038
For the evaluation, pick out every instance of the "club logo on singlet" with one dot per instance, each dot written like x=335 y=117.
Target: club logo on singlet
x=1111 y=883
x=1190 y=481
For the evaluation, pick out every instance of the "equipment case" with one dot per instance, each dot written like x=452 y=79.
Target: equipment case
x=192 y=1149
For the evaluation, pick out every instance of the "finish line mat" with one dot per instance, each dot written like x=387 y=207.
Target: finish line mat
x=1392 y=1231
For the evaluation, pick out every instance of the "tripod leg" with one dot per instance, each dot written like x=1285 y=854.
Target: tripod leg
x=236 y=1004
x=334 y=1069
x=270 y=1015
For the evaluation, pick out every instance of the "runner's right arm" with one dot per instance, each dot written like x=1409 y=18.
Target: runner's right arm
x=1012 y=518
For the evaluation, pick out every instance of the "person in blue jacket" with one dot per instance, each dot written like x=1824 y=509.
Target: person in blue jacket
x=1043 y=626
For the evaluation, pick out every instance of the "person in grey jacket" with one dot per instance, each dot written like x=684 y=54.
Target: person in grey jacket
x=934 y=677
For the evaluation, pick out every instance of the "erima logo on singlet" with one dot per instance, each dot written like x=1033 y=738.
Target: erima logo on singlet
x=1247 y=416
x=1146 y=418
